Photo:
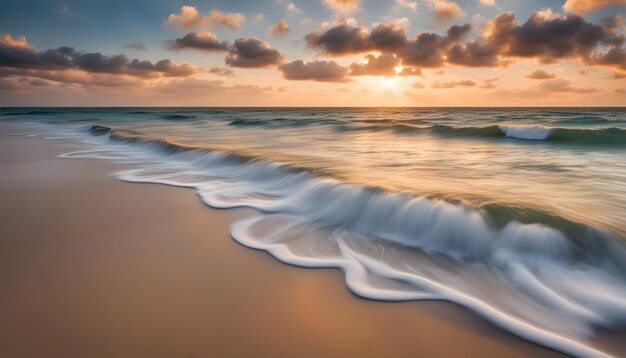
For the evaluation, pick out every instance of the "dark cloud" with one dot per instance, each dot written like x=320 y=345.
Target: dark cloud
x=323 y=71
x=458 y=32
x=252 y=53
x=17 y=54
x=387 y=37
x=474 y=54
x=383 y=65
x=540 y=75
x=204 y=41
x=547 y=37
x=615 y=58
x=425 y=50
x=340 y=39
x=222 y=71
x=28 y=57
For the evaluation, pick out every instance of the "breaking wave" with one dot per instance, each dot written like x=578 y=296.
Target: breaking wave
x=533 y=273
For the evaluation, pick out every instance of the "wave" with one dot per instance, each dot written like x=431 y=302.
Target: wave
x=556 y=135
x=535 y=132
x=533 y=273
x=606 y=136
x=177 y=116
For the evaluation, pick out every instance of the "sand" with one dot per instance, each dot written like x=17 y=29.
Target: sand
x=94 y=267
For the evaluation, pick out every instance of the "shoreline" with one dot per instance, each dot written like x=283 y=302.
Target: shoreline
x=92 y=266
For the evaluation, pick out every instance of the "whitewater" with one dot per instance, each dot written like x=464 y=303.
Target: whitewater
x=518 y=215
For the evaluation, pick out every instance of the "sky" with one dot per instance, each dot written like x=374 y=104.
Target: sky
x=283 y=53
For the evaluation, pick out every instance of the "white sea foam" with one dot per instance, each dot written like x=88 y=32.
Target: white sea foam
x=531 y=132
x=528 y=279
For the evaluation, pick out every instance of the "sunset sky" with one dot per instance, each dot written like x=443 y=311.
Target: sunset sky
x=313 y=53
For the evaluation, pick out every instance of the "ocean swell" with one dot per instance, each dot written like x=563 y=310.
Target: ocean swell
x=556 y=135
x=537 y=275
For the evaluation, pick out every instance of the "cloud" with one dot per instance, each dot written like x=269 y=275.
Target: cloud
x=137 y=46
x=443 y=85
x=258 y=18
x=417 y=85
x=281 y=27
x=540 y=75
x=65 y=64
x=446 y=10
x=18 y=42
x=322 y=71
x=618 y=76
x=343 y=6
x=73 y=76
x=615 y=58
x=488 y=2
x=406 y=4
x=343 y=39
x=488 y=83
x=222 y=71
x=582 y=6
x=190 y=19
x=252 y=53
x=545 y=37
x=292 y=8
x=203 y=87
x=383 y=65
x=204 y=41
x=563 y=85
x=425 y=50
x=388 y=37
x=548 y=39
x=474 y=54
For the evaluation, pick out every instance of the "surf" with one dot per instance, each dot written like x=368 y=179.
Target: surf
x=519 y=268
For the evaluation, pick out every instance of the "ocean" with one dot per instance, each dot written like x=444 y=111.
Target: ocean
x=518 y=214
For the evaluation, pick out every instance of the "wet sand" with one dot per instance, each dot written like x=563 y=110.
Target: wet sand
x=94 y=267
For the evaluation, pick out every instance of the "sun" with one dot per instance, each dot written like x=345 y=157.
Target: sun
x=389 y=82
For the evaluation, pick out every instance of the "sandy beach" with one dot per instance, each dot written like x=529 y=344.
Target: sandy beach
x=94 y=267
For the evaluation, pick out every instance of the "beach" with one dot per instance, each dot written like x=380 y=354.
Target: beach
x=92 y=266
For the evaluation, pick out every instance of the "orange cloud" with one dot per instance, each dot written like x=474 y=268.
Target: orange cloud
x=446 y=10
x=189 y=19
x=281 y=27
x=540 y=75
x=582 y=6
x=20 y=42
x=343 y=6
